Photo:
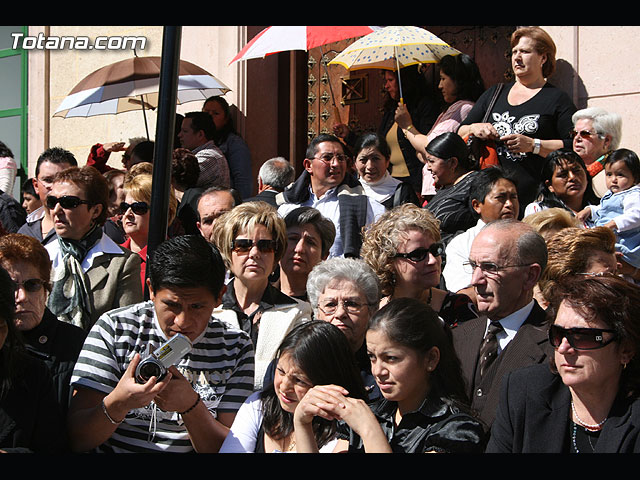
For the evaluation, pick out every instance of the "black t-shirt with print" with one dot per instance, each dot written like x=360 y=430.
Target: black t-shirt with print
x=547 y=116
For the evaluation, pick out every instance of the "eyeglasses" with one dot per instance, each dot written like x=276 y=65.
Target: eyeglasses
x=139 y=208
x=329 y=307
x=580 y=338
x=31 y=285
x=586 y=134
x=489 y=268
x=419 y=254
x=328 y=157
x=243 y=245
x=67 y=202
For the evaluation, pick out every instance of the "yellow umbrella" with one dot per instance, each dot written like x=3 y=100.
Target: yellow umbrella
x=392 y=48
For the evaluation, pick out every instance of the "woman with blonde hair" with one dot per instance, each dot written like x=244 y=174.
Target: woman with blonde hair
x=404 y=248
x=252 y=238
x=135 y=211
x=550 y=221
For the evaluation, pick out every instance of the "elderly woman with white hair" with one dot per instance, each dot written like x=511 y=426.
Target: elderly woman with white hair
x=346 y=293
x=596 y=133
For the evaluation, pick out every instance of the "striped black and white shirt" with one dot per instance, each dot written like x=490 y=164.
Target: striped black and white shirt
x=220 y=368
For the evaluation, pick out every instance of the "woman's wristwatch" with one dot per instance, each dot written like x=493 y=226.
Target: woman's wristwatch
x=536 y=146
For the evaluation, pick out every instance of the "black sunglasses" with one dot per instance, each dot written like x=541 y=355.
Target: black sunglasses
x=139 y=208
x=67 y=201
x=243 y=245
x=419 y=254
x=31 y=285
x=581 y=338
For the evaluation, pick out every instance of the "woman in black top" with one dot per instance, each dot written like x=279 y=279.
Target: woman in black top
x=531 y=117
x=453 y=172
x=423 y=408
x=30 y=417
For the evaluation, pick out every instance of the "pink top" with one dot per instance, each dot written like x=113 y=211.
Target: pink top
x=448 y=121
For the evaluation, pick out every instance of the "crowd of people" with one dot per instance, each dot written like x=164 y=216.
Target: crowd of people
x=401 y=294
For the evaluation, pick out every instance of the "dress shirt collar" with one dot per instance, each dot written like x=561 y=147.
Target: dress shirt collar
x=511 y=323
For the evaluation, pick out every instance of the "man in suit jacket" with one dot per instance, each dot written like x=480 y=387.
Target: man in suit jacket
x=274 y=176
x=507 y=258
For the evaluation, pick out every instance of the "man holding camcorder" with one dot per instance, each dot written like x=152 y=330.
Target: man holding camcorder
x=163 y=375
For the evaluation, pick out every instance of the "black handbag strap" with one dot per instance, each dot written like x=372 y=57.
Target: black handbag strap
x=492 y=103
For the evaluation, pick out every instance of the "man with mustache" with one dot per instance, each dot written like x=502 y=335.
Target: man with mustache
x=326 y=185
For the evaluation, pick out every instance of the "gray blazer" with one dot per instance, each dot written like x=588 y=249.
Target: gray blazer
x=113 y=277
x=114 y=281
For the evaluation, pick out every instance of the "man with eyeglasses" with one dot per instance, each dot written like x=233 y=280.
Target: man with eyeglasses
x=327 y=185
x=506 y=260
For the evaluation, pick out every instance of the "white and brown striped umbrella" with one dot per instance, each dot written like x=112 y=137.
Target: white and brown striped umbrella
x=123 y=86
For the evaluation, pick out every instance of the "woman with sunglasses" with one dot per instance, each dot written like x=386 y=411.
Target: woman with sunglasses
x=423 y=408
x=252 y=238
x=103 y=274
x=47 y=338
x=405 y=250
x=586 y=400
x=596 y=133
x=30 y=417
x=135 y=216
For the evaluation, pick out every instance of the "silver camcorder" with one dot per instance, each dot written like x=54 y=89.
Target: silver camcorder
x=156 y=363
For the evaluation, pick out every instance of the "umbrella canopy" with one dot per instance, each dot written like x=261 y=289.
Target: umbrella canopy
x=392 y=48
x=283 y=38
x=133 y=84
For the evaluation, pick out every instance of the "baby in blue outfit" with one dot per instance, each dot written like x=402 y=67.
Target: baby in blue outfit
x=619 y=208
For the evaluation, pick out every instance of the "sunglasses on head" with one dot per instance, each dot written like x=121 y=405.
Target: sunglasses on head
x=419 y=254
x=139 y=208
x=243 y=245
x=581 y=338
x=31 y=285
x=67 y=201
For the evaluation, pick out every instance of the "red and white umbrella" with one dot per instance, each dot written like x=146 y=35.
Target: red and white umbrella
x=282 y=38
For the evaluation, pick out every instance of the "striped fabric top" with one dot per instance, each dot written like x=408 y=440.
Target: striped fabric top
x=220 y=367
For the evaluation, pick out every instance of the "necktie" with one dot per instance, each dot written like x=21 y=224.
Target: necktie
x=489 y=348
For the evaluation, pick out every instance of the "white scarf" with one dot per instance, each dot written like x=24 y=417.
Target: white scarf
x=381 y=190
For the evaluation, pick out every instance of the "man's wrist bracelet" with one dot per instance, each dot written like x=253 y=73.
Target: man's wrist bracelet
x=106 y=414
x=192 y=406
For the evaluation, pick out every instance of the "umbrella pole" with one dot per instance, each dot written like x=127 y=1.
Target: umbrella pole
x=144 y=114
x=163 y=149
x=395 y=49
